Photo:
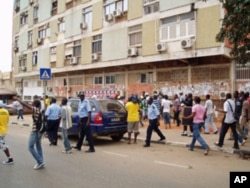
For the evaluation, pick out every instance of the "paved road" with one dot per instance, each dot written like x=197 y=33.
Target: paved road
x=116 y=165
x=173 y=137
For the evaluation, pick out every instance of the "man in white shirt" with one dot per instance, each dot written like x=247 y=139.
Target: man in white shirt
x=228 y=122
x=209 y=114
x=166 y=105
x=19 y=107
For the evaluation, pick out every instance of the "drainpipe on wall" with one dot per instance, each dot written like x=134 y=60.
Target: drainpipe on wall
x=233 y=75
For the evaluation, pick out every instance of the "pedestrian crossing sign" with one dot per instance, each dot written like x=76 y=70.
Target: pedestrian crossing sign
x=45 y=74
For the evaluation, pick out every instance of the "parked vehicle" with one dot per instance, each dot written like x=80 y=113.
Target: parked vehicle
x=108 y=118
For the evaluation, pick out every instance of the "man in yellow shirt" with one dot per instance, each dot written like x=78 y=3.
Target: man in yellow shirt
x=133 y=109
x=4 y=120
x=47 y=102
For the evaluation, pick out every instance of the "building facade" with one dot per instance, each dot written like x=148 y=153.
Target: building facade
x=121 y=46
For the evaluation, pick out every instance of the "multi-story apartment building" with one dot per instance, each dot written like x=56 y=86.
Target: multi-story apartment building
x=124 y=46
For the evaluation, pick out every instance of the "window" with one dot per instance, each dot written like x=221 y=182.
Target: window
x=17 y=5
x=24 y=18
x=75 y=81
x=54 y=7
x=110 y=79
x=35 y=12
x=61 y=27
x=34 y=58
x=30 y=35
x=23 y=60
x=97 y=44
x=111 y=5
x=77 y=48
x=44 y=31
x=16 y=41
x=98 y=80
x=135 y=35
x=176 y=27
x=143 y=78
x=53 y=50
x=87 y=15
x=147 y=77
x=150 y=6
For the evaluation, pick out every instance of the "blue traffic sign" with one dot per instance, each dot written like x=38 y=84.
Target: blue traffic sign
x=45 y=74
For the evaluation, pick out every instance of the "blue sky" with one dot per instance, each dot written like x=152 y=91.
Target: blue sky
x=5 y=34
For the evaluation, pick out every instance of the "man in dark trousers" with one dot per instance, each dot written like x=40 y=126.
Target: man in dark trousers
x=228 y=122
x=188 y=102
x=84 y=112
x=154 y=118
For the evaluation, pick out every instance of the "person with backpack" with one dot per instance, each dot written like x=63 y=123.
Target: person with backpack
x=35 y=138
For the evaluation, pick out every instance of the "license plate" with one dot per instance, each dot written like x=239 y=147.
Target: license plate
x=115 y=119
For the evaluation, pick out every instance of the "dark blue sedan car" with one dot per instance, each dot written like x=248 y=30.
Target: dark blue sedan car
x=108 y=118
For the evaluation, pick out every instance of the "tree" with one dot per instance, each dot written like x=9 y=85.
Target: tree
x=236 y=28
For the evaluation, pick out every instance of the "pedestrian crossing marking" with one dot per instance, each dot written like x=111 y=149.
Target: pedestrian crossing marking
x=45 y=75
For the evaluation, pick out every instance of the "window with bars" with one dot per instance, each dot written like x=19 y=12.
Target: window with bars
x=34 y=58
x=135 y=35
x=110 y=79
x=177 y=27
x=97 y=44
x=242 y=71
x=150 y=6
x=98 y=80
x=77 y=48
x=111 y=5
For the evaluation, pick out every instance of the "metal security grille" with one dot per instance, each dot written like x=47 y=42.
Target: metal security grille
x=243 y=72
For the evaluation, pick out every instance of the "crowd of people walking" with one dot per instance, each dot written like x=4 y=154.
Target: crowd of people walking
x=147 y=110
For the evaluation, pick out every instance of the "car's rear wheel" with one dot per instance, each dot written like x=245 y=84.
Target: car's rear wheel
x=117 y=138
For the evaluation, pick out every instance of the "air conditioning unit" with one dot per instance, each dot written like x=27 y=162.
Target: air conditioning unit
x=39 y=41
x=186 y=43
x=60 y=19
x=83 y=25
x=23 y=68
x=16 y=49
x=222 y=94
x=31 y=2
x=108 y=17
x=132 y=52
x=73 y=61
x=117 y=13
x=161 y=47
x=17 y=7
x=95 y=57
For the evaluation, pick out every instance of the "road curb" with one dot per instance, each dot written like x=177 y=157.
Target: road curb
x=186 y=145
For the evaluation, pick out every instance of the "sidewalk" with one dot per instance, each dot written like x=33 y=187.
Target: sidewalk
x=173 y=137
